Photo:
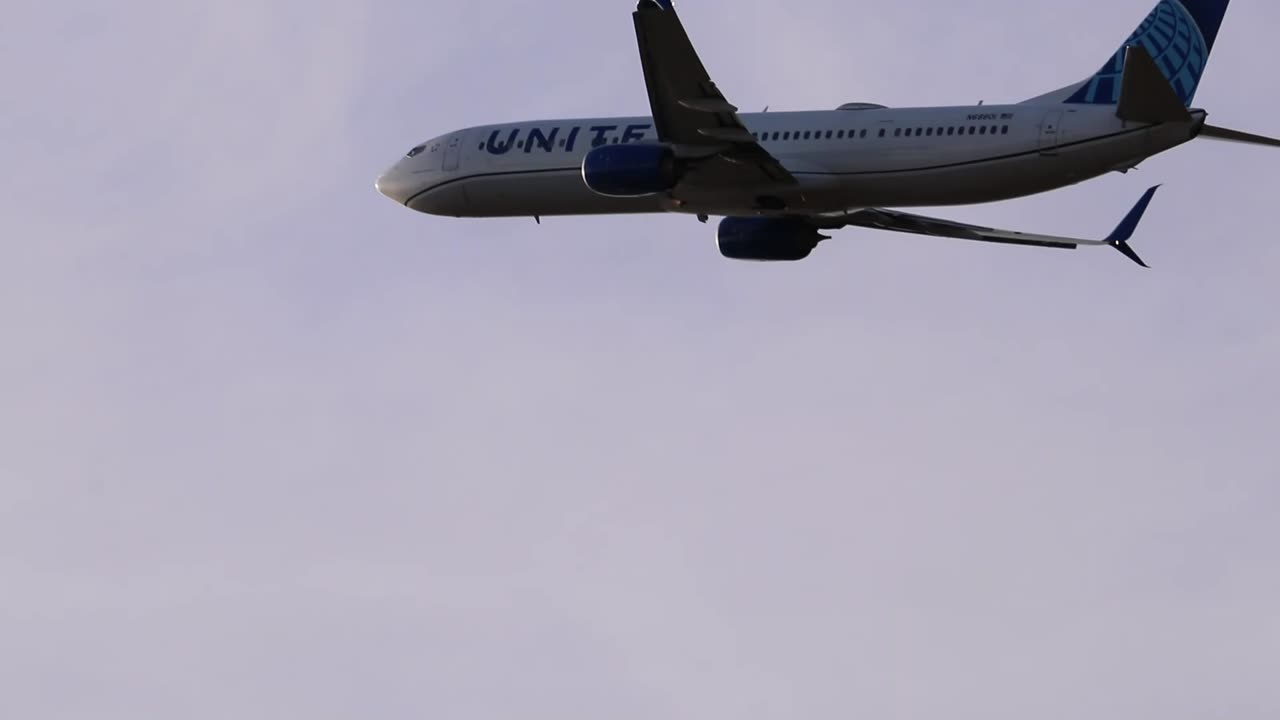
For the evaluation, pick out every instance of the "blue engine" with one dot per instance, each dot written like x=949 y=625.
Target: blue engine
x=767 y=239
x=630 y=170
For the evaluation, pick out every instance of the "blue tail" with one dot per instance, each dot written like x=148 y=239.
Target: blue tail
x=1179 y=35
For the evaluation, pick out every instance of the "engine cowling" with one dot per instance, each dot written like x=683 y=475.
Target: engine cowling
x=767 y=239
x=630 y=170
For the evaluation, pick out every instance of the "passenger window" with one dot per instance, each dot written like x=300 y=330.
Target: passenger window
x=1004 y=130
x=897 y=132
x=982 y=130
x=840 y=135
x=919 y=132
x=881 y=132
x=863 y=134
x=973 y=130
x=828 y=134
x=951 y=131
x=928 y=132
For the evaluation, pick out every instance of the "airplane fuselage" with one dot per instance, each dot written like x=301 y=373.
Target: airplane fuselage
x=864 y=156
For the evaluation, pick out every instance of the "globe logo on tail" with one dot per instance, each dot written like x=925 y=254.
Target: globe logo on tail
x=1174 y=40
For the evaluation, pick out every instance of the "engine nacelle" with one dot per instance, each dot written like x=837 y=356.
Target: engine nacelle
x=630 y=170
x=767 y=239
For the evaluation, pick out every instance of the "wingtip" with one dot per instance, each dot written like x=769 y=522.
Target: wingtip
x=1128 y=252
x=1119 y=238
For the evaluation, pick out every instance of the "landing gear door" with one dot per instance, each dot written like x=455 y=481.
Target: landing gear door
x=452 y=153
x=1051 y=134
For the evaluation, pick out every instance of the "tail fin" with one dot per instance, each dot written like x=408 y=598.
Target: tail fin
x=1178 y=34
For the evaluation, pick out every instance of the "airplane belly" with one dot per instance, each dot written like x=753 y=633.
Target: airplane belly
x=545 y=193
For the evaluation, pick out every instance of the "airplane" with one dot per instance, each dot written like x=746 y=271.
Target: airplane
x=782 y=179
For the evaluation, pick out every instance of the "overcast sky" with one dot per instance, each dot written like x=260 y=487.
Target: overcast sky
x=272 y=447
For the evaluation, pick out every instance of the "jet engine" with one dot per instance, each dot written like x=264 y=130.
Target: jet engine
x=767 y=239
x=630 y=170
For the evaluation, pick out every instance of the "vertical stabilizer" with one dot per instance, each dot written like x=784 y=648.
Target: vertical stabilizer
x=1178 y=35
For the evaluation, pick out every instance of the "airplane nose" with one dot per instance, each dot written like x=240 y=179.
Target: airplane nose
x=395 y=184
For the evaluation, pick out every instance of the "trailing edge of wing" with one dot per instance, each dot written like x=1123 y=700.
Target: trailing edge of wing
x=895 y=221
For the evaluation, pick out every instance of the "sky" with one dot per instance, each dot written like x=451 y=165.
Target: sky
x=273 y=447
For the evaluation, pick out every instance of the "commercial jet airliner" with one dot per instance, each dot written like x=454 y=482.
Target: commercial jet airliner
x=781 y=179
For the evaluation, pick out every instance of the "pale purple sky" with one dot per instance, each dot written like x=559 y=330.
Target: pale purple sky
x=272 y=447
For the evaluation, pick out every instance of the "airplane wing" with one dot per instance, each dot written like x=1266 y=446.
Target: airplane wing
x=689 y=111
x=896 y=221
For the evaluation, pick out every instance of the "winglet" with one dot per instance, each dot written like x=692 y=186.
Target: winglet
x=1119 y=239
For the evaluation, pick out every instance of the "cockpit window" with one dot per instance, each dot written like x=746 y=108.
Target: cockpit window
x=417 y=151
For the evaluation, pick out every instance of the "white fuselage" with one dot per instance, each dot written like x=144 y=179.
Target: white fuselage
x=843 y=159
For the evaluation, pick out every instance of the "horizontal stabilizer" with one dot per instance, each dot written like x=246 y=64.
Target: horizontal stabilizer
x=1217 y=133
x=1145 y=95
